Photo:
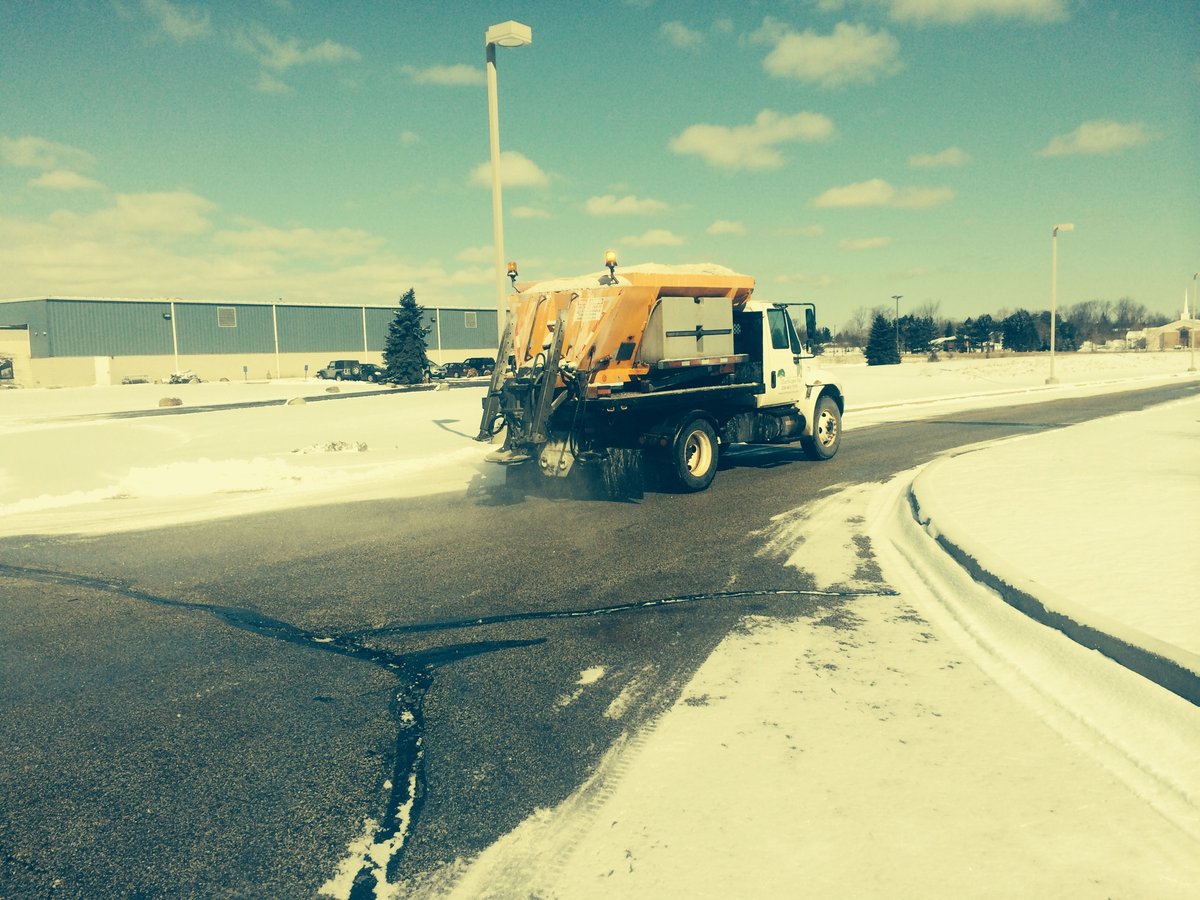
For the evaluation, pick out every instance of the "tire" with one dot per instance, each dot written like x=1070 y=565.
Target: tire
x=692 y=462
x=827 y=430
x=337 y=377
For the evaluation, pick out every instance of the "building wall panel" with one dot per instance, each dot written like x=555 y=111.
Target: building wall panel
x=31 y=314
x=319 y=329
x=107 y=328
x=465 y=329
x=378 y=322
x=201 y=330
x=132 y=333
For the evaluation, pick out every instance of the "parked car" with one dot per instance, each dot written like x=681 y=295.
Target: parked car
x=476 y=365
x=184 y=376
x=352 y=370
x=341 y=369
x=435 y=370
x=6 y=368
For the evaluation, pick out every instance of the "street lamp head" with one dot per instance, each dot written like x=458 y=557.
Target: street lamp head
x=509 y=34
x=1058 y=228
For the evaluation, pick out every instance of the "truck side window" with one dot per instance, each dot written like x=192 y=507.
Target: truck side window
x=778 y=323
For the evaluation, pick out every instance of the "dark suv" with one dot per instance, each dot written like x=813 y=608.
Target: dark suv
x=470 y=367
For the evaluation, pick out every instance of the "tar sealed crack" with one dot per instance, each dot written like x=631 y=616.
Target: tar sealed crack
x=375 y=859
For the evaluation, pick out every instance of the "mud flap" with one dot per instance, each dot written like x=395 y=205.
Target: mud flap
x=621 y=475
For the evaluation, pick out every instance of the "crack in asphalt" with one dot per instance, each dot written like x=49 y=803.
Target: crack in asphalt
x=379 y=859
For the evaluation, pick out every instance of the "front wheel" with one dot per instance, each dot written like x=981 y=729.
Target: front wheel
x=823 y=443
x=692 y=464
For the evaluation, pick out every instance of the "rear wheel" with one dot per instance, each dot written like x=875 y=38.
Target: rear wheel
x=827 y=430
x=692 y=463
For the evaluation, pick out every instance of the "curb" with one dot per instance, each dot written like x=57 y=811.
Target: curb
x=1156 y=666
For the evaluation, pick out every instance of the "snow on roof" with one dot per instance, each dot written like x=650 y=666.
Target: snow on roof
x=604 y=279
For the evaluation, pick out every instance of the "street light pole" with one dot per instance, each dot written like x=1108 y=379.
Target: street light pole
x=1195 y=314
x=896 y=322
x=1054 y=292
x=506 y=34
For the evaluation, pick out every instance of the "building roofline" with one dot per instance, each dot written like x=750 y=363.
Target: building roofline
x=183 y=302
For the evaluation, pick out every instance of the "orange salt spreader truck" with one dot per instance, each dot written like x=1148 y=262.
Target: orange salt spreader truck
x=648 y=373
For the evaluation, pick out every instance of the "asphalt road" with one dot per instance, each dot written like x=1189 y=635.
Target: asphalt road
x=216 y=710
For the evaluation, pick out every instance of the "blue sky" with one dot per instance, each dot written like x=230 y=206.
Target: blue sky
x=840 y=151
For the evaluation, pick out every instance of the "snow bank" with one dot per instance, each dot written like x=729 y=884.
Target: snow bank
x=1097 y=521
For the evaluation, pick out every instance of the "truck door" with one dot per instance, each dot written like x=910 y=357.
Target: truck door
x=782 y=373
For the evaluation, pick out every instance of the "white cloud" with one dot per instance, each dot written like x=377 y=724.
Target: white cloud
x=655 y=237
x=472 y=275
x=851 y=54
x=806 y=279
x=269 y=84
x=950 y=158
x=1100 y=136
x=858 y=244
x=459 y=75
x=960 y=11
x=156 y=245
x=726 y=226
x=629 y=205
x=163 y=214
x=179 y=22
x=30 y=152
x=408 y=138
x=281 y=54
x=329 y=243
x=923 y=197
x=807 y=231
x=516 y=170
x=65 y=180
x=877 y=192
x=681 y=35
x=530 y=212
x=751 y=146
x=483 y=254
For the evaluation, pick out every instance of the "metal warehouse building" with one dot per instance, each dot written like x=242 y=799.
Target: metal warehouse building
x=68 y=342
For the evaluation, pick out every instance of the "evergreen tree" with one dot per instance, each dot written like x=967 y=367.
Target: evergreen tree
x=1020 y=332
x=916 y=333
x=404 y=353
x=881 y=345
x=980 y=331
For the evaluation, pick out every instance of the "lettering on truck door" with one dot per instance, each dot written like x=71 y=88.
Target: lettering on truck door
x=781 y=368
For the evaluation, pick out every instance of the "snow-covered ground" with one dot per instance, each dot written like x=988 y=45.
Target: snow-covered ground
x=934 y=743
